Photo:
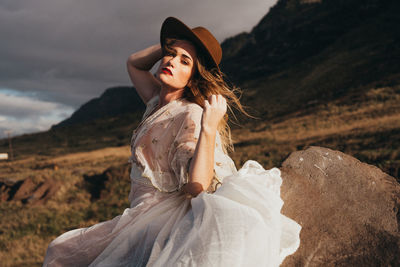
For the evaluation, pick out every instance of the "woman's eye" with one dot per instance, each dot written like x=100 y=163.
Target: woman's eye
x=185 y=62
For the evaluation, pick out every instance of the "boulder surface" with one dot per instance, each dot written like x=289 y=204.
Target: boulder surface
x=348 y=210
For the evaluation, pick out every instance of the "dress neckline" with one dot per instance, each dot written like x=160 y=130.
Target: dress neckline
x=152 y=114
x=156 y=110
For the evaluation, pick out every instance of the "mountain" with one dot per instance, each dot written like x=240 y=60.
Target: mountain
x=113 y=102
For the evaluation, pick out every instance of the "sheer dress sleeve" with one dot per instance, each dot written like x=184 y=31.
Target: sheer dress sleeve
x=184 y=145
x=186 y=134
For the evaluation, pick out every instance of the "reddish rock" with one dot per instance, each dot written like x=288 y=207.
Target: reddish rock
x=28 y=192
x=43 y=192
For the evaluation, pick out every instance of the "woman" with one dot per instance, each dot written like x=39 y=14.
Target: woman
x=189 y=206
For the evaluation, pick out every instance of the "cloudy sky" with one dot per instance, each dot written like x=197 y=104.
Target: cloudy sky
x=57 y=55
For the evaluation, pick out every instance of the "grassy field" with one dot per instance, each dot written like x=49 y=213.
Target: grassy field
x=94 y=185
x=27 y=229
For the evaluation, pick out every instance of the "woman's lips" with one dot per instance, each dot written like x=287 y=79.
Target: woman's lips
x=167 y=71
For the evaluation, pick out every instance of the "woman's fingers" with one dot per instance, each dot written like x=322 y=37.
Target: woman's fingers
x=206 y=104
x=214 y=110
x=216 y=99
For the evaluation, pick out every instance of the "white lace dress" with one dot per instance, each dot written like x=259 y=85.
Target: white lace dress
x=237 y=222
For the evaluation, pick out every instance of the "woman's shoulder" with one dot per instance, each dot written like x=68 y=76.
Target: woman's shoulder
x=191 y=110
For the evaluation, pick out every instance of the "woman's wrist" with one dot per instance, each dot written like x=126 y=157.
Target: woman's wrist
x=208 y=130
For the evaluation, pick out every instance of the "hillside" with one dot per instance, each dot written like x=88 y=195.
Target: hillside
x=307 y=54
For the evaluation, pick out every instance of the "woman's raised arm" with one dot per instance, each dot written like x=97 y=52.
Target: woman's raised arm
x=139 y=65
x=201 y=170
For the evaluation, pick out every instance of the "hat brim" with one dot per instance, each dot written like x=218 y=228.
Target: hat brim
x=174 y=28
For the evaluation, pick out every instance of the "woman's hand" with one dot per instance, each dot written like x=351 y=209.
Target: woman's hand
x=201 y=170
x=214 y=110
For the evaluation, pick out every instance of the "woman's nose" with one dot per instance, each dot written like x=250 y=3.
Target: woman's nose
x=169 y=63
x=172 y=61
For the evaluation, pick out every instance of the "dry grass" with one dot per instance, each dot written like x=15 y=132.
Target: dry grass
x=381 y=112
x=43 y=167
x=30 y=254
x=307 y=127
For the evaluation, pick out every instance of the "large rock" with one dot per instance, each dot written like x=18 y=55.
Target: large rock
x=349 y=210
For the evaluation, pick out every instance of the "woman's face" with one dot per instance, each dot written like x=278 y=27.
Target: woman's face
x=177 y=66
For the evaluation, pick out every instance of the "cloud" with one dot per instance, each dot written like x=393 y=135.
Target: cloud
x=21 y=113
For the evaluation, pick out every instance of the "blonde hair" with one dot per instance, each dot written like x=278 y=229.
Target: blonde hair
x=207 y=81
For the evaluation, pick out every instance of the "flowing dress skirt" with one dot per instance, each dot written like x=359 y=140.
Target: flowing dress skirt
x=238 y=225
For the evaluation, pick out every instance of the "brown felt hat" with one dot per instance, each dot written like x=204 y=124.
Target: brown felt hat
x=199 y=36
